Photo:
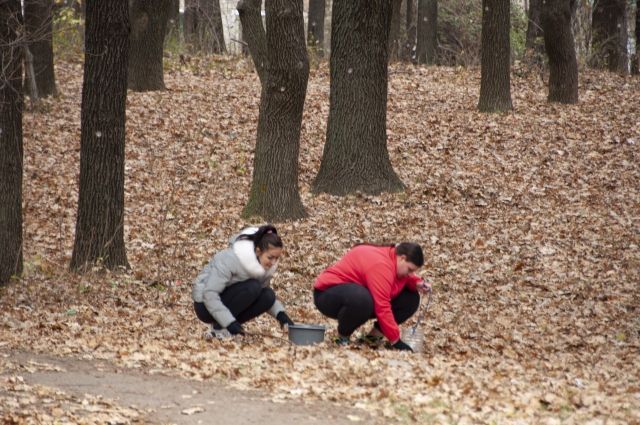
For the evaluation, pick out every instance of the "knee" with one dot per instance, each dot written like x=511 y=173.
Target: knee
x=268 y=296
x=362 y=304
x=253 y=288
x=413 y=301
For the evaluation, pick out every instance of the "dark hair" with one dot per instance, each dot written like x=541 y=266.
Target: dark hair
x=265 y=237
x=412 y=251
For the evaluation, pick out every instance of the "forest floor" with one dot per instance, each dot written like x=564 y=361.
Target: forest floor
x=530 y=222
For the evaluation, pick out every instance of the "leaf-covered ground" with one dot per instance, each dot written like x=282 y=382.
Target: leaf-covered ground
x=530 y=222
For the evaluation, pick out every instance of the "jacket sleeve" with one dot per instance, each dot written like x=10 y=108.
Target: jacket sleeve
x=412 y=282
x=379 y=281
x=216 y=282
x=277 y=306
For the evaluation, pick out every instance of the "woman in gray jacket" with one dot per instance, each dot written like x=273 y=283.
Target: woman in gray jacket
x=234 y=287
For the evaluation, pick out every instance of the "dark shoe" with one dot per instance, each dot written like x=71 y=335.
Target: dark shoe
x=371 y=341
x=342 y=341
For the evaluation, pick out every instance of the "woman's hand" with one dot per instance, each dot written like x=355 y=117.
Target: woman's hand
x=402 y=346
x=284 y=319
x=235 y=328
x=423 y=286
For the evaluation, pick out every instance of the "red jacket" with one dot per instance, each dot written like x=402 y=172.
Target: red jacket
x=373 y=267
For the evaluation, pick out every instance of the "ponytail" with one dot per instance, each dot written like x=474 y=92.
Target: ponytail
x=266 y=236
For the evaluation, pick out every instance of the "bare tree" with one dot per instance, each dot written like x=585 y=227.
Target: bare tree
x=253 y=33
x=609 y=36
x=11 y=147
x=394 y=32
x=560 y=48
x=100 y=218
x=534 y=29
x=37 y=19
x=203 y=25
x=355 y=156
x=427 y=43
x=274 y=188
x=149 y=20
x=315 y=26
x=635 y=66
x=495 y=89
x=410 y=15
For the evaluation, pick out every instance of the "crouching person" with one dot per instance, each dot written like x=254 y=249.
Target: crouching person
x=372 y=282
x=234 y=287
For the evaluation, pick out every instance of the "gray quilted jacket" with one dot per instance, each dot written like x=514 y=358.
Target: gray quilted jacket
x=232 y=265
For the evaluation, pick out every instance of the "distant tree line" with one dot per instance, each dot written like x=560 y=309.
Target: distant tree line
x=123 y=48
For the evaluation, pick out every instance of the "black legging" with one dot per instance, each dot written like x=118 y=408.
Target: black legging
x=245 y=300
x=352 y=305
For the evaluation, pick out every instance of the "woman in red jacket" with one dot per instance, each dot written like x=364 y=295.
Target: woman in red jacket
x=372 y=281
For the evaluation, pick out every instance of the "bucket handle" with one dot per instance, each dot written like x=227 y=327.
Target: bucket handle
x=422 y=314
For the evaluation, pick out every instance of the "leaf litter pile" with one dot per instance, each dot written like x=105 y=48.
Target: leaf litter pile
x=530 y=222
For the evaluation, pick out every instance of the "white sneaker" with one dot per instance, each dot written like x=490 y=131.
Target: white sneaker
x=212 y=333
x=221 y=333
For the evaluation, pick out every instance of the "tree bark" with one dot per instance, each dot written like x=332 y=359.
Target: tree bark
x=174 y=14
x=254 y=35
x=427 y=42
x=410 y=30
x=100 y=219
x=149 y=20
x=410 y=11
x=534 y=28
x=11 y=146
x=355 y=156
x=315 y=26
x=495 y=87
x=609 y=36
x=394 y=33
x=274 y=189
x=203 y=25
x=560 y=48
x=37 y=19
x=217 y=30
x=635 y=66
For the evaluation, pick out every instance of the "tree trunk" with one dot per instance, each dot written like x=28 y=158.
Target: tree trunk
x=37 y=19
x=100 y=220
x=149 y=20
x=635 y=66
x=609 y=36
x=427 y=43
x=495 y=88
x=190 y=20
x=254 y=35
x=559 y=45
x=274 y=189
x=410 y=10
x=174 y=15
x=394 y=33
x=11 y=147
x=410 y=30
x=355 y=156
x=203 y=25
x=534 y=29
x=315 y=26
x=217 y=30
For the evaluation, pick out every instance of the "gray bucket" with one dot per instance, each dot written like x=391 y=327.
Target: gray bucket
x=306 y=334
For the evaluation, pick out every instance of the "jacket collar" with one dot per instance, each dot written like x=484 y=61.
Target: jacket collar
x=245 y=251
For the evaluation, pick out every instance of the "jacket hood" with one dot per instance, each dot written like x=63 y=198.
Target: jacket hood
x=245 y=250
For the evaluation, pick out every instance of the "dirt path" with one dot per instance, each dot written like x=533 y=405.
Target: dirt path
x=167 y=398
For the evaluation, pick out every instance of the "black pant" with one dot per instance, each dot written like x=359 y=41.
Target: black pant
x=245 y=300
x=352 y=305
